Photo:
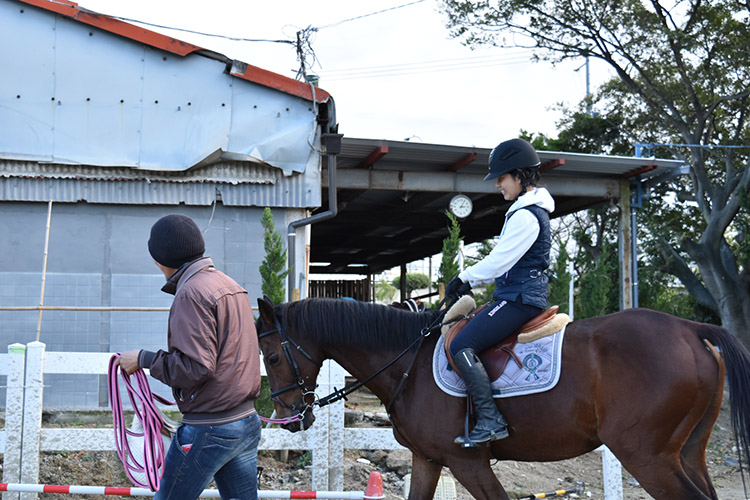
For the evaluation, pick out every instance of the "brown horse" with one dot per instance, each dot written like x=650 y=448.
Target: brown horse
x=646 y=384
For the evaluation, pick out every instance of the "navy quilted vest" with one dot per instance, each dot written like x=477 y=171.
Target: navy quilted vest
x=527 y=278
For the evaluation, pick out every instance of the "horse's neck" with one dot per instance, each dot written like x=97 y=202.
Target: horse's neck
x=363 y=363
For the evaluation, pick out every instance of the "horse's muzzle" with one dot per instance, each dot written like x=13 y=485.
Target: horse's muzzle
x=299 y=425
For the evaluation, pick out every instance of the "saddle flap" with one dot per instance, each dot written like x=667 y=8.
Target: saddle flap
x=496 y=358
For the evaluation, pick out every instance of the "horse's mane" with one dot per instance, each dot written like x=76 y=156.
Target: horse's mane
x=355 y=323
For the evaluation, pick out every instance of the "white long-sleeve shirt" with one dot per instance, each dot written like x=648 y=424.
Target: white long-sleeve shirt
x=519 y=232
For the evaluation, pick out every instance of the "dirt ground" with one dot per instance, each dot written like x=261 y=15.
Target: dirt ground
x=520 y=479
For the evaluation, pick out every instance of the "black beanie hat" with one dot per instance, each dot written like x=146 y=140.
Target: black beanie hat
x=175 y=239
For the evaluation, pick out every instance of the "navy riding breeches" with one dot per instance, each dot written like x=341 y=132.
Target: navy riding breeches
x=493 y=324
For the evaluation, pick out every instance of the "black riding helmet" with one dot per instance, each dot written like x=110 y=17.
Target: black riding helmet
x=513 y=154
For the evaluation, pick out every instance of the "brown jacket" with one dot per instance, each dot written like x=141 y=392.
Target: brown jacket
x=213 y=364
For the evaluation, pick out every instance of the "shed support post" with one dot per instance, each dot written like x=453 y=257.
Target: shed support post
x=611 y=467
x=625 y=247
x=403 y=283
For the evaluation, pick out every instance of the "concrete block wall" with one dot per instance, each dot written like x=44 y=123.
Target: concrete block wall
x=98 y=256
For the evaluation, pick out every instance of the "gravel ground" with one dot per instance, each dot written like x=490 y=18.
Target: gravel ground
x=519 y=478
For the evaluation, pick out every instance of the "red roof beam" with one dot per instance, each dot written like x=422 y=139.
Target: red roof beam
x=279 y=82
x=463 y=162
x=114 y=25
x=376 y=155
x=240 y=70
x=549 y=165
x=642 y=170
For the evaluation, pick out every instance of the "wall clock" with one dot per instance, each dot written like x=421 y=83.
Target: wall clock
x=460 y=206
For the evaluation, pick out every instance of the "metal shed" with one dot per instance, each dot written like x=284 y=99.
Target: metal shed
x=118 y=125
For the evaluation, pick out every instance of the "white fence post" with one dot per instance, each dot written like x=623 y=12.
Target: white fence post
x=336 y=433
x=13 y=416
x=32 y=416
x=328 y=435
x=612 y=470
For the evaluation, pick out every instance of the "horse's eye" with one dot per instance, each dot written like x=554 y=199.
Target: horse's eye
x=274 y=359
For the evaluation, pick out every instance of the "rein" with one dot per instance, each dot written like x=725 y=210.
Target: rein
x=151 y=464
x=339 y=394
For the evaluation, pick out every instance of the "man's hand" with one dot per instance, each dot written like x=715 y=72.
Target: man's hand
x=128 y=361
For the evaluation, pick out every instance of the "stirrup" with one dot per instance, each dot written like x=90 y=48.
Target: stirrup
x=465 y=441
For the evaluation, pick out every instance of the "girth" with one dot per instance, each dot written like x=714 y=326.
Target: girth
x=496 y=358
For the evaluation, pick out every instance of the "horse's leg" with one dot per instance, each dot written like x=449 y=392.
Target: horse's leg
x=473 y=471
x=653 y=455
x=424 y=478
x=663 y=477
x=693 y=454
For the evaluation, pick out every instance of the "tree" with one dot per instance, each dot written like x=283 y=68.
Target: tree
x=414 y=281
x=482 y=295
x=559 y=281
x=683 y=69
x=272 y=272
x=449 y=263
x=384 y=292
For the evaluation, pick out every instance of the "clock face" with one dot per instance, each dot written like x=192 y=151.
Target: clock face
x=460 y=205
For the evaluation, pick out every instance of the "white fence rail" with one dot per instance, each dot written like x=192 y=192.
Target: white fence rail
x=24 y=438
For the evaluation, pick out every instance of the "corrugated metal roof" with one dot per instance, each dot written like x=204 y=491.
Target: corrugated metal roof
x=232 y=172
x=235 y=183
x=414 y=157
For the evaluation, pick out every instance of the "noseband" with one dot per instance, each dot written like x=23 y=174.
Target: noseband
x=303 y=386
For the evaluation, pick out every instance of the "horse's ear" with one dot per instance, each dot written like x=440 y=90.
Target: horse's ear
x=265 y=307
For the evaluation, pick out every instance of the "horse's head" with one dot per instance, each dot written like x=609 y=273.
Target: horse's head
x=292 y=368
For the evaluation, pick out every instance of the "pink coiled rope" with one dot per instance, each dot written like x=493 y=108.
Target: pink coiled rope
x=151 y=464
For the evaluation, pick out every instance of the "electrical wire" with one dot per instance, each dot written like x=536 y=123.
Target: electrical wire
x=418 y=68
x=370 y=14
x=202 y=33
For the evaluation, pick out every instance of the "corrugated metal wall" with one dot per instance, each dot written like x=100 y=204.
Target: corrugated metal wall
x=237 y=184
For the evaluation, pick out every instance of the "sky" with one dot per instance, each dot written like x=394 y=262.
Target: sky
x=393 y=75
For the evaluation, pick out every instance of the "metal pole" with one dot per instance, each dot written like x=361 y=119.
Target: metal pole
x=571 y=289
x=332 y=143
x=44 y=271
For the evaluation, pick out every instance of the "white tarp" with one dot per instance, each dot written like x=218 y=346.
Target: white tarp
x=73 y=94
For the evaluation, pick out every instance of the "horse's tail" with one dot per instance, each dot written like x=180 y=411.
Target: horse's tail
x=737 y=361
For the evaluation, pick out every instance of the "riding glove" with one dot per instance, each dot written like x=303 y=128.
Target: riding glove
x=456 y=288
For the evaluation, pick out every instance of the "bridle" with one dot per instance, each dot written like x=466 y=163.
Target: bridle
x=338 y=394
x=301 y=384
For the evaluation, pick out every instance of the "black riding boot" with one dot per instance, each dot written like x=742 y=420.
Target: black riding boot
x=491 y=425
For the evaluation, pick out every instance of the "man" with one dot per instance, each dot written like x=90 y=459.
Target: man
x=212 y=365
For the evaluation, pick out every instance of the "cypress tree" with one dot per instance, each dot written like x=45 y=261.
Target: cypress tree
x=272 y=268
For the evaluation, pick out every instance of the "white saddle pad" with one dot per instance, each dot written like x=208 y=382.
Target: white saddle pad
x=540 y=372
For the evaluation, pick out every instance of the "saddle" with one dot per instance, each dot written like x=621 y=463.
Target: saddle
x=496 y=358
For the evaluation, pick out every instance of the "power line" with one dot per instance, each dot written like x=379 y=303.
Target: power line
x=370 y=14
x=194 y=32
x=402 y=70
x=485 y=58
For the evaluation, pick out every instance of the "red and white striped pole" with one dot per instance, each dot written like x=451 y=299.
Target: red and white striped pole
x=374 y=491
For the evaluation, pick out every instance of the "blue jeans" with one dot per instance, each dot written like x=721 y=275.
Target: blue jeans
x=227 y=453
